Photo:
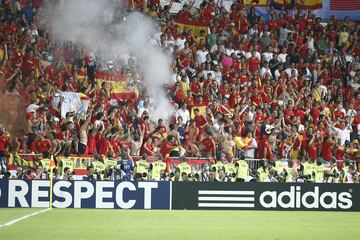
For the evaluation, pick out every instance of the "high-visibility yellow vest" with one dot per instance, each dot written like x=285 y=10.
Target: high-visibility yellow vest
x=335 y=170
x=45 y=163
x=278 y=166
x=319 y=173
x=308 y=170
x=218 y=166
x=262 y=173
x=156 y=169
x=110 y=163
x=184 y=167
x=67 y=163
x=98 y=166
x=142 y=167
x=243 y=169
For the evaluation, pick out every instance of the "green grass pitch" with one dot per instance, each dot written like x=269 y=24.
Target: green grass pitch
x=172 y=225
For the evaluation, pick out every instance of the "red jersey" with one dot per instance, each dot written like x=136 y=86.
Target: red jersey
x=326 y=149
x=254 y=64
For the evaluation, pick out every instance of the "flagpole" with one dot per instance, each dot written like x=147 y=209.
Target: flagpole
x=51 y=181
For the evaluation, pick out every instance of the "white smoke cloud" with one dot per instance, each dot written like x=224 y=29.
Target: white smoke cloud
x=88 y=23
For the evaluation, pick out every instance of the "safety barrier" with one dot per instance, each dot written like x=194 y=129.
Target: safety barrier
x=180 y=195
x=196 y=162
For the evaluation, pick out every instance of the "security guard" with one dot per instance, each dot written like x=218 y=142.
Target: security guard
x=279 y=166
x=242 y=169
x=346 y=169
x=66 y=162
x=219 y=165
x=156 y=168
x=334 y=175
x=142 y=167
x=319 y=172
x=184 y=167
x=262 y=171
x=45 y=162
x=99 y=167
x=307 y=170
x=290 y=171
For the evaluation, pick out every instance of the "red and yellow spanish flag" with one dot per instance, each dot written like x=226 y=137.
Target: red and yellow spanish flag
x=201 y=107
x=194 y=27
x=256 y=3
x=119 y=85
x=309 y=4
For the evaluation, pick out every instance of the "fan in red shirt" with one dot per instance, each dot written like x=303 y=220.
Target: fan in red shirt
x=148 y=148
x=243 y=23
x=200 y=120
x=41 y=144
x=326 y=148
x=208 y=146
x=167 y=145
x=254 y=62
x=4 y=140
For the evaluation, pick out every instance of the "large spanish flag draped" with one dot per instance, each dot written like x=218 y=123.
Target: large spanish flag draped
x=309 y=4
x=201 y=107
x=119 y=83
x=256 y=3
x=193 y=26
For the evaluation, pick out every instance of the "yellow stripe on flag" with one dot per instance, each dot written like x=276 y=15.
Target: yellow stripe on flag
x=202 y=110
x=309 y=4
x=194 y=28
x=255 y=2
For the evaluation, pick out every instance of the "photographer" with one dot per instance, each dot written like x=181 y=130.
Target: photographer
x=41 y=173
x=205 y=176
x=184 y=177
x=20 y=173
x=222 y=176
x=164 y=176
x=67 y=175
x=306 y=170
x=271 y=176
x=230 y=170
x=126 y=165
x=335 y=174
x=5 y=175
x=352 y=175
x=195 y=177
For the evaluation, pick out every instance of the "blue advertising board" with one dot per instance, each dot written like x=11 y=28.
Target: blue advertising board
x=86 y=194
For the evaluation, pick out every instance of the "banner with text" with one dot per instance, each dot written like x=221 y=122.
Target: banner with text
x=266 y=196
x=85 y=194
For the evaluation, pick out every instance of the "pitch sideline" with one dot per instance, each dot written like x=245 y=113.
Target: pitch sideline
x=23 y=218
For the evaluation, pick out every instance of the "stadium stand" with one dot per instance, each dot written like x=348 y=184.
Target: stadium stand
x=255 y=100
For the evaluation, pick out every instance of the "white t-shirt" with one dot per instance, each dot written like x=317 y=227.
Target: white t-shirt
x=201 y=56
x=184 y=114
x=282 y=57
x=250 y=153
x=268 y=56
x=344 y=134
x=264 y=71
x=289 y=70
x=180 y=43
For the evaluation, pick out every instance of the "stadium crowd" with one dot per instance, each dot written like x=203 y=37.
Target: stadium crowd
x=287 y=88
